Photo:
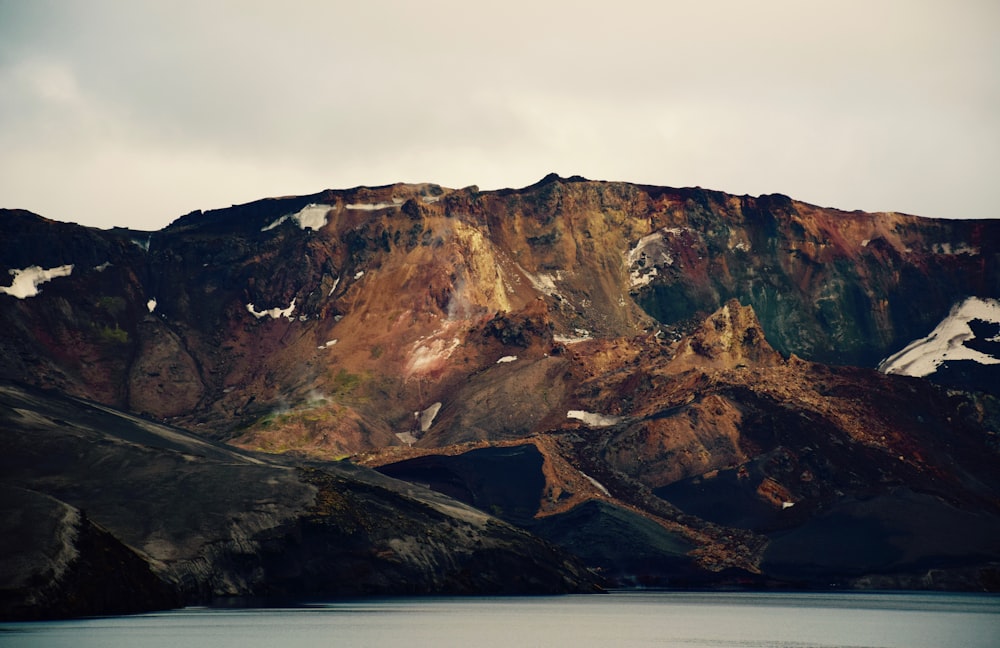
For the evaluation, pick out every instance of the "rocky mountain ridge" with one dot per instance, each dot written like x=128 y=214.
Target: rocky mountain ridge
x=677 y=385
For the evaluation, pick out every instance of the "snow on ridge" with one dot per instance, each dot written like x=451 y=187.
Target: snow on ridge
x=373 y=206
x=592 y=419
x=312 y=216
x=273 y=313
x=275 y=223
x=27 y=280
x=922 y=357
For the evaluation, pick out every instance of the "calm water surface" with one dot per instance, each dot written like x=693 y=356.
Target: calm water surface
x=739 y=620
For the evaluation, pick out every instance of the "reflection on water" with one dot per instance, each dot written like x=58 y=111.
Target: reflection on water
x=739 y=620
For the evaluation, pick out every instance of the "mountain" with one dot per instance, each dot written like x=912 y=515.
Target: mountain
x=678 y=386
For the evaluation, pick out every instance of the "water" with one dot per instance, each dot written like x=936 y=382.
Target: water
x=738 y=620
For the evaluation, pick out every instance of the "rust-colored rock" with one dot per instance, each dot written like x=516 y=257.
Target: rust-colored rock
x=679 y=358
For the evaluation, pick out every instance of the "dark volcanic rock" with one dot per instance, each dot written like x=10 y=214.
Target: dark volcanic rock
x=58 y=564
x=171 y=519
x=506 y=481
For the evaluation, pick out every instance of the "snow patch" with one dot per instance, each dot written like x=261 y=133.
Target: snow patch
x=143 y=244
x=426 y=417
x=542 y=282
x=104 y=266
x=406 y=438
x=506 y=359
x=273 y=313
x=336 y=282
x=582 y=335
x=151 y=304
x=961 y=248
x=946 y=342
x=596 y=483
x=649 y=252
x=592 y=419
x=359 y=274
x=865 y=242
x=275 y=223
x=27 y=281
x=787 y=505
x=637 y=279
x=312 y=216
x=425 y=356
x=327 y=344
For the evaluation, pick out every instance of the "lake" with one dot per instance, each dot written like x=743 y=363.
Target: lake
x=681 y=619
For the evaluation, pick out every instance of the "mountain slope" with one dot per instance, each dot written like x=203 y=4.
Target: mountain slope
x=696 y=368
x=260 y=302
x=760 y=464
x=107 y=513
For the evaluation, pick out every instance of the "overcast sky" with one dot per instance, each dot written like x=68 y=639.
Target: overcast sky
x=133 y=113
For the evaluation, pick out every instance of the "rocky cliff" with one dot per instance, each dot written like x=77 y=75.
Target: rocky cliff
x=370 y=293
x=693 y=370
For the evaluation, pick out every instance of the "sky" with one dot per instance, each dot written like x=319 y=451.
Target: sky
x=133 y=113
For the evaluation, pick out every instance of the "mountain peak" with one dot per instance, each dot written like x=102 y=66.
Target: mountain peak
x=555 y=177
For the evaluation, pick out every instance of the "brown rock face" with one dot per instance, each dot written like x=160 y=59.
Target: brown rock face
x=368 y=296
x=164 y=380
x=684 y=362
x=730 y=338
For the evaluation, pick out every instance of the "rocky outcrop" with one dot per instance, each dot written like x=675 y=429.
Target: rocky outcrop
x=731 y=338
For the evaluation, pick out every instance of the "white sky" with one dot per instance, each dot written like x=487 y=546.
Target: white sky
x=133 y=112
